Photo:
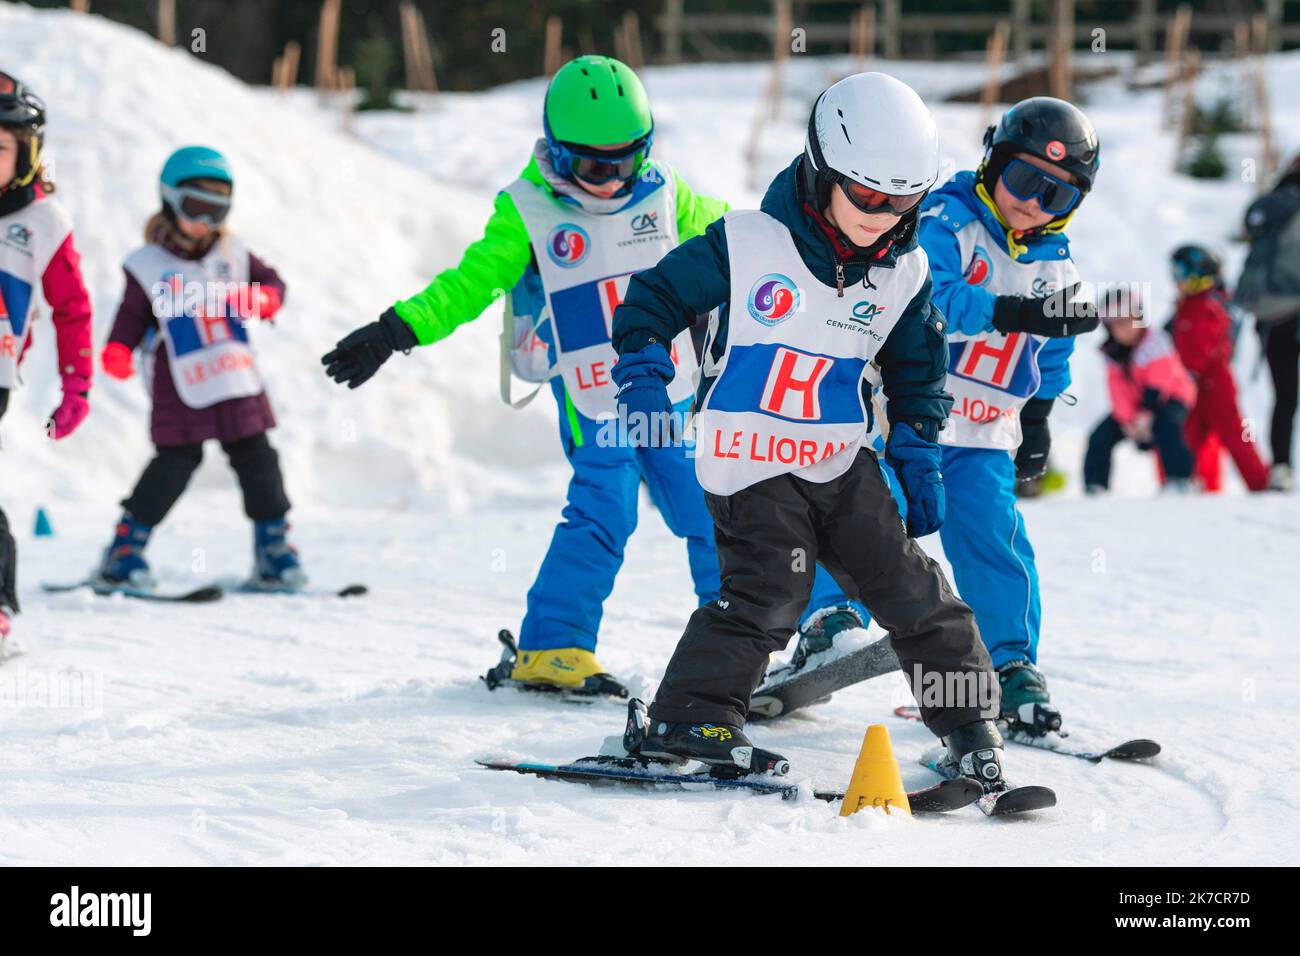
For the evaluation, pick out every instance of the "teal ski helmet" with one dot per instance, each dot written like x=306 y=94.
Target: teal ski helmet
x=189 y=163
x=195 y=162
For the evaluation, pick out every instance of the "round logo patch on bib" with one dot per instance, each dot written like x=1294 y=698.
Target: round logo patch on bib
x=568 y=245
x=773 y=299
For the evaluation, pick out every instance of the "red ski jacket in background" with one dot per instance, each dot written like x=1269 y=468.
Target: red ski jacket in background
x=1202 y=331
x=69 y=302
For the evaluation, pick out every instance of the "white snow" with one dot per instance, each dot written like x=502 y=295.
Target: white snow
x=299 y=730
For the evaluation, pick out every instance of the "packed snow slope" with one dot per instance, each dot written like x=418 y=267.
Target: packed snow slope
x=315 y=731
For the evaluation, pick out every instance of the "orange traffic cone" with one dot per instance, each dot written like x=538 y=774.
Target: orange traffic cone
x=876 y=780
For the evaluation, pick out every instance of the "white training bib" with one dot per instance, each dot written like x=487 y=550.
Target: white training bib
x=29 y=238
x=789 y=392
x=991 y=375
x=207 y=344
x=585 y=262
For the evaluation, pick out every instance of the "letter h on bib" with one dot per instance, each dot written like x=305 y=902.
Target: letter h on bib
x=985 y=362
x=794 y=383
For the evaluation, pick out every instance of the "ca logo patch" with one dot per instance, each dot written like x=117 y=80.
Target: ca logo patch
x=864 y=312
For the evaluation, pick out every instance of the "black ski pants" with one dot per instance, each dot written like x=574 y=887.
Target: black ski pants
x=770 y=538
x=1167 y=437
x=253 y=459
x=1282 y=349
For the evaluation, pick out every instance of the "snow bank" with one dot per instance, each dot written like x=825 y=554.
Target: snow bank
x=349 y=229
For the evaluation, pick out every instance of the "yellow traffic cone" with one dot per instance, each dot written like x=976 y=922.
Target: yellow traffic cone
x=876 y=780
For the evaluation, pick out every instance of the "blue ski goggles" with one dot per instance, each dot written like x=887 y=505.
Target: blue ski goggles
x=600 y=166
x=1055 y=196
x=197 y=205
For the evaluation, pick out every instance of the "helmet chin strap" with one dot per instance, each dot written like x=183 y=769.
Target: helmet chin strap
x=27 y=168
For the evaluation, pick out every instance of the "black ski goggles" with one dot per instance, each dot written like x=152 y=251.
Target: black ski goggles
x=598 y=166
x=197 y=205
x=874 y=201
x=1055 y=196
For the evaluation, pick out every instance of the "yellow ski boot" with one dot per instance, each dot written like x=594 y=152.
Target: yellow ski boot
x=570 y=670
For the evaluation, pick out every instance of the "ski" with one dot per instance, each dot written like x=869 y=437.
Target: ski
x=998 y=803
x=254 y=586
x=786 y=689
x=941 y=798
x=203 y=595
x=594 y=687
x=1137 y=749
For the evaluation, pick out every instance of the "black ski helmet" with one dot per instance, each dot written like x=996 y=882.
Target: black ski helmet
x=1195 y=262
x=20 y=108
x=1048 y=128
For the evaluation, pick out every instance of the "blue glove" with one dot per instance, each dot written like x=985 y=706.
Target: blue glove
x=917 y=463
x=642 y=378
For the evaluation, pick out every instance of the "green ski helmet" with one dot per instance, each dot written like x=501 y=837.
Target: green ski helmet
x=593 y=102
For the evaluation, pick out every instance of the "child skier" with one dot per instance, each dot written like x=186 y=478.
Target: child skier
x=589 y=210
x=1150 y=395
x=36 y=252
x=1203 y=334
x=826 y=279
x=1002 y=274
x=188 y=293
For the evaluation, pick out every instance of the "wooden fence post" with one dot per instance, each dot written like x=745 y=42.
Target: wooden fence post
x=327 y=45
x=554 y=55
x=167 y=22
x=995 y=52
x=1175 y=43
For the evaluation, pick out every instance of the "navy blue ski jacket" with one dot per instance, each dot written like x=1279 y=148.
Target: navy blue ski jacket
x=695 y=278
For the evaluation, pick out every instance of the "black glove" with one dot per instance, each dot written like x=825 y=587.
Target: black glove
x=1054 y=316
x=359 y=354
x=1035 y=439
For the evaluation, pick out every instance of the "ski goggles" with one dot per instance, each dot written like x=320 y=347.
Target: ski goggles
x=13 y=95
x=1055 y=196
x=599 y=166
x=197 y=205
x=874 y=201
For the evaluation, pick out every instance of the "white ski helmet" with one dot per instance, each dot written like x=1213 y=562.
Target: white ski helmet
x=871 y=129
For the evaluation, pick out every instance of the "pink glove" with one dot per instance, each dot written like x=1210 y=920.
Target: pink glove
x=73 y=410
x=255 y=302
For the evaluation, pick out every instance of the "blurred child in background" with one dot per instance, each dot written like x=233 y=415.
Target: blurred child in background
x=1151 y=394
x=1203 y=332
x=188 y=291
x=36 y=253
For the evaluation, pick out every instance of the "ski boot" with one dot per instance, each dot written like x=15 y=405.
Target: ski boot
x=4 y=626
x=818 y=633
x=124 y=565
x=572 y=670
x=975 y=750
x=1280 y=477
x=1026 y=704
x=723 y=748
x=276 y=566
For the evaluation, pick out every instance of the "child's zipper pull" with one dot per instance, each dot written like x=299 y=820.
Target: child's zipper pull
x=839 y=277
